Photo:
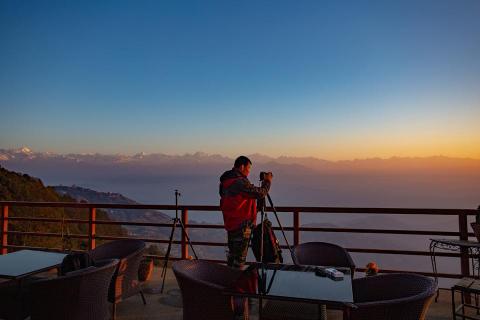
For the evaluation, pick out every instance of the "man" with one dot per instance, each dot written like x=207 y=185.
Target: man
x=239 y=208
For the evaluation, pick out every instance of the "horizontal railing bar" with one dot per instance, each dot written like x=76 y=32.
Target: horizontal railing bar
x=355 y=210
x=90 y=205
x=204 y=226
x=107 y=222
x=389 y=231
x=152 y=240
x=42 y=249
x=194 y=243
x=130 y=223
x=217 y=226
x=346 y=230
x=69 y=220
x=399 y=252
x=361 y=210
x=47 y=234
x=402 y=252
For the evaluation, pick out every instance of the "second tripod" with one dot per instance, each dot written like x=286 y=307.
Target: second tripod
x=176 y=222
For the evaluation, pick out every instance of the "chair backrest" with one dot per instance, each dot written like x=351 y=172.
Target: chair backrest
x=75 y=261
x=118 y=249
x=125 y=280
x=400 y=296
x=79 y=296
x=201 y=284
x=323 y=254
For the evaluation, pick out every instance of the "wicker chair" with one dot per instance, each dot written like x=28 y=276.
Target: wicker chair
x=399 y=296
x=14 y=301
x=79 y=295
x=315 y=254
x=323 y=254
x=201 y=284
x=125 y=279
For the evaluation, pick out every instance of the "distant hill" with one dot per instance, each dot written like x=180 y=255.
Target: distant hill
x=138 y=215
x=22 y=187
x=154 y=216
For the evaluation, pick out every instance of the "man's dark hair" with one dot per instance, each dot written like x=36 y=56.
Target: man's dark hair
x=242 y=160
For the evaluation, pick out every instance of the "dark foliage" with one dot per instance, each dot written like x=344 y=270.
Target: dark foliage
x=22 y=187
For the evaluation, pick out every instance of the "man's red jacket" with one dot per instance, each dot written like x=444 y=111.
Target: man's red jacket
x=238 y=199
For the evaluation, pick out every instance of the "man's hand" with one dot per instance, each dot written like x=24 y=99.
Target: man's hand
x=268 y=176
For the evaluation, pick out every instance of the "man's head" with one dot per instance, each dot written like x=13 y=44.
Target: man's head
x=243 y=164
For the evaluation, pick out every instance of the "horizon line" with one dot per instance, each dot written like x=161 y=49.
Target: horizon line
x=27 y=150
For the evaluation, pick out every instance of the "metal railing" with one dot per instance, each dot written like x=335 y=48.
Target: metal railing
x=296 y=227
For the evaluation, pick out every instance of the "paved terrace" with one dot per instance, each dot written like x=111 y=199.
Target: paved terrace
x=168 y=306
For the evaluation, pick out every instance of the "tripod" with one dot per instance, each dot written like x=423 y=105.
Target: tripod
x=263 y=215
x=263 y=273
x=175 y=222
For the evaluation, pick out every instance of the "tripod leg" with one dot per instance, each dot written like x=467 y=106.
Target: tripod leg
x=167 y=255
x=292 y=253
x=262 y=235
x=188 y=239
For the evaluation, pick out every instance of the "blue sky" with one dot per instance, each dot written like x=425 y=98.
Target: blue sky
x=332 y=79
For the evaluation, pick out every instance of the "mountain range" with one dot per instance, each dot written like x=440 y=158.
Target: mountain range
x=438 y=182
x=394 y=164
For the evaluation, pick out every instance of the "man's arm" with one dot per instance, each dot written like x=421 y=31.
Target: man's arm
x=246 y=187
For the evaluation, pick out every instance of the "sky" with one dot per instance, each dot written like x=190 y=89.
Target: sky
x=329 y=79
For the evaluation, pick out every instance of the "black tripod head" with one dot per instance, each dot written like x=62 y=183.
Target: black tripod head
x=177 y=194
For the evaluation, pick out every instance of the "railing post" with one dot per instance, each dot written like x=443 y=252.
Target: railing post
x=4 y=230
x=92 y=228
x=463 y=228
x=296 y=228
x=184 y=234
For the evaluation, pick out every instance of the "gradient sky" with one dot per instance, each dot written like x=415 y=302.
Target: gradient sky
x=331 y=79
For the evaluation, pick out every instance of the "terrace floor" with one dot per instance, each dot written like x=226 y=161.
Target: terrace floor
x=167 y=306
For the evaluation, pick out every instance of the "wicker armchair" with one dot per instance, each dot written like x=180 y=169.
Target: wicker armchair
x=399 y=296
x=14 y=300
x=79 y=295
x=315 y=254
x=201 y=284
x=323 y=254
x=125 y=279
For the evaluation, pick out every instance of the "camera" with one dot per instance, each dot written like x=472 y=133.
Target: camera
x=263 y=174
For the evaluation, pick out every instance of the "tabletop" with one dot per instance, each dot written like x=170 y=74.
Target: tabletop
x=24 y=263
x=294 y=283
